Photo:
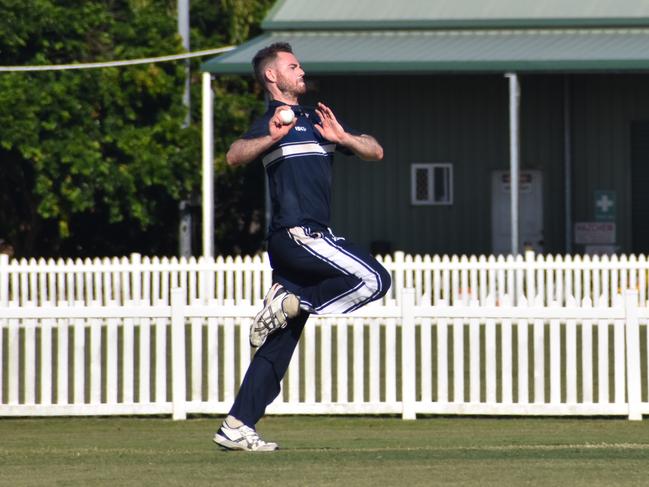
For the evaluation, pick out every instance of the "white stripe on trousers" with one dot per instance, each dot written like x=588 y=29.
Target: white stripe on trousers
x=328 y=252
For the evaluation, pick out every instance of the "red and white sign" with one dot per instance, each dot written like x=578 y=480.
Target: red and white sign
x=525 y=181
x=595 y=232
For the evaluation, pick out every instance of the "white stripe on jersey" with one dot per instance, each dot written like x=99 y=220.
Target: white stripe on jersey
x=347 y=263
x=298 y=149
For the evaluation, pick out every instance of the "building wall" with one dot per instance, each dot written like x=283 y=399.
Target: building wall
x=604 y=108
x=464 y=120
x=542 y=148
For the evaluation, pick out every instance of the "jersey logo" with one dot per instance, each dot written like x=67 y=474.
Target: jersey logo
x=300 y=129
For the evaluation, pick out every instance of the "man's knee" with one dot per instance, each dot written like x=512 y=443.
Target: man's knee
x=381 y=283
x=385 y=282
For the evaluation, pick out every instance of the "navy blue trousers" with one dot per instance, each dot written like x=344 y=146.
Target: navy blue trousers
x=329 y=275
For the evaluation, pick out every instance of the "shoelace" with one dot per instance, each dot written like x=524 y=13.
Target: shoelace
x=270 y=318
x=251 y=435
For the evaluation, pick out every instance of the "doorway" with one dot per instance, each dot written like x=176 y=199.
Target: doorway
x=530 y=212
x=640 y=187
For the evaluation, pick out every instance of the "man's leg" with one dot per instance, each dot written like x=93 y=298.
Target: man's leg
x=261 y=384
x=318 y=273
x=328 y=273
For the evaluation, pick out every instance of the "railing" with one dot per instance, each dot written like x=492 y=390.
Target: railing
x=489 y=357
x=450 y=279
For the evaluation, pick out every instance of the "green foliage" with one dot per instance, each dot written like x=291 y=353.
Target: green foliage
x=95 y=161
x=239 y=193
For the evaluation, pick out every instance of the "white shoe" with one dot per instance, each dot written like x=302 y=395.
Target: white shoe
x=241 y=438
x=279 y=306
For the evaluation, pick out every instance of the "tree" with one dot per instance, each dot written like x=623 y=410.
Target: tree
x=94 y=162
x=239 y=192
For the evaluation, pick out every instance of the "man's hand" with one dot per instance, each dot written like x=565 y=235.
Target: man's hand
x=329 y=127
x=276 y=127
x=364 y=146
x=243 y=151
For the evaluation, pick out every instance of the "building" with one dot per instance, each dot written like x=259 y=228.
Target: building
x=429 y=79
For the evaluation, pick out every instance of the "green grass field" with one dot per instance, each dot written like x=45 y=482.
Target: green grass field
x=367 y=451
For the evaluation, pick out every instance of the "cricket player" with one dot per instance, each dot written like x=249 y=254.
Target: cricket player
x=314 y=271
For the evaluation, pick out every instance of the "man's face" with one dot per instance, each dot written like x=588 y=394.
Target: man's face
x=289 y=75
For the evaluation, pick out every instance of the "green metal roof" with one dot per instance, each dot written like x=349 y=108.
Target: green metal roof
x=477 y=50
x=418 y=36
x=381 y=14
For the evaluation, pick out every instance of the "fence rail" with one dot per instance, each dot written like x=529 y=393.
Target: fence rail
x=399 y=356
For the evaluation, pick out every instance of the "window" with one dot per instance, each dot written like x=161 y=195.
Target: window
x=431 y=184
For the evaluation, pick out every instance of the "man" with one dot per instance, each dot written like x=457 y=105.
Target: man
x=313 y=270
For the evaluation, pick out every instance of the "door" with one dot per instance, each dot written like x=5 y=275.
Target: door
x=639 y=187
x=530 y=212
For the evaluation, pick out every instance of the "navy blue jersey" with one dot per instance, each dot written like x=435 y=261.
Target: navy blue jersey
x=299 y=170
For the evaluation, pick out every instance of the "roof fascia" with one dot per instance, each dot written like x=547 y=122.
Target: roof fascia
x=526 y=23
x=574 y=66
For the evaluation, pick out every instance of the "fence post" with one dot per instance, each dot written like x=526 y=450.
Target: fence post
x=4 y=280
x=632 y=332
x=136 y=277
x=408 y=368
x=530 y=276
x=178 y=367
x=4 y=301
x=397 y=280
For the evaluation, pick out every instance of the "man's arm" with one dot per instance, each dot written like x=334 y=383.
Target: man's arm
x=243 y=151
x=364 y=146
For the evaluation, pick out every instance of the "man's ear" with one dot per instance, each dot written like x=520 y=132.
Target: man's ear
x=270 y=75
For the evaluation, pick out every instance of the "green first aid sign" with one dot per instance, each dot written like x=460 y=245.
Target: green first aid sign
x=605 y=205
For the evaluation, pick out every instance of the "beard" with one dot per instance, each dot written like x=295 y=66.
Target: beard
x=293 y=88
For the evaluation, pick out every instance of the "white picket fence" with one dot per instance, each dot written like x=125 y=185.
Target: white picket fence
x=170 y=337
x=451 y=279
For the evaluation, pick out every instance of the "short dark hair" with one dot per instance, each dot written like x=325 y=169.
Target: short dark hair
x=266 y=55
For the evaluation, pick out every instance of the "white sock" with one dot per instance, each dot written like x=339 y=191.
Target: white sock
x=233 y=422
x=291 y=305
